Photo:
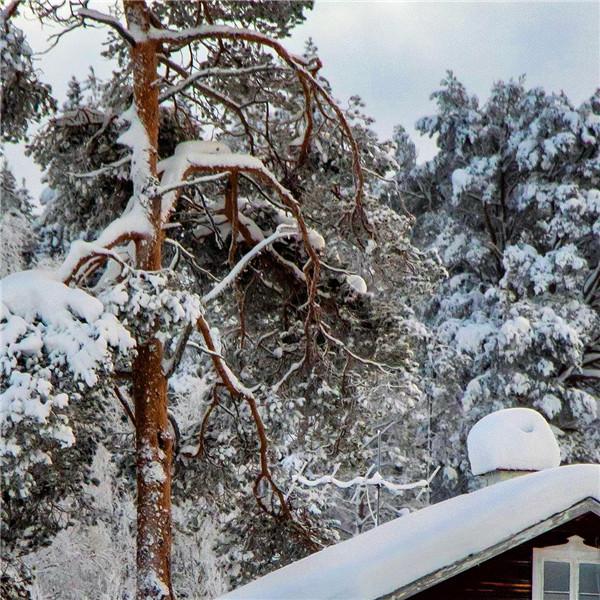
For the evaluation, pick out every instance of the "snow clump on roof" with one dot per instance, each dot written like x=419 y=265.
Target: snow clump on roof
x=513 y=439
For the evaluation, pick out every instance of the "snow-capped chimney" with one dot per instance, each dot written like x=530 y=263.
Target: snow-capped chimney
x=511 y=442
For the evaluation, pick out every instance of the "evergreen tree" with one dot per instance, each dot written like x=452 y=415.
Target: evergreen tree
x=511 y=204
x=23 y=97
x=250 y=252
x=15 y=223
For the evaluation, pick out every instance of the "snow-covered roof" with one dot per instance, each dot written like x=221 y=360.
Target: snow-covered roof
x=409 y=548
x=516 y=439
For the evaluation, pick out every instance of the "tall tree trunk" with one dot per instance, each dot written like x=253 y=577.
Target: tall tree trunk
x=154 y=444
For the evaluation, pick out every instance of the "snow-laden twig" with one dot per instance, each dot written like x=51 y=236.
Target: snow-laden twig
x=375 y=479
x=293 y=368
x=281 y=232
x=215 y=72
x=80 y=254
x=429 y=479
x=336 y=269
x=113 y=165
x=131 y=37
x=175 y=186
x=204 y=349
x=191 y=258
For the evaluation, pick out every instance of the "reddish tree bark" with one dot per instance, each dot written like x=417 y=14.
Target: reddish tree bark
x=154 y=443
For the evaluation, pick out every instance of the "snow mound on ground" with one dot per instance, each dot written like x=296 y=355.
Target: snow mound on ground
x=515 y=439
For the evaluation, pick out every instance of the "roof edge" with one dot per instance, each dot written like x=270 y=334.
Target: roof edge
x=586 y=505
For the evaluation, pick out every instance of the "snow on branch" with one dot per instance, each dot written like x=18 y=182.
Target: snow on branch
x=304 y=70
x=376 y=479
x=191 y=182
x=281 y=232
x=132 y=226
x=104 y=169
x=130 y=37
x=215 y=72
x=79 y=253
x=367 y=361
x=213 y=157
x=194 y=157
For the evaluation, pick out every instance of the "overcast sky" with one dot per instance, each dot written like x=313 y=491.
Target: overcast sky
x=393 y=54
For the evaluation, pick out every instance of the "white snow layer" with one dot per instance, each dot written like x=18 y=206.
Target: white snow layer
x=210 y=155
x=398 y=553
x=357 y=283
x=201 y=147
x=515 y=439
x=73 y=326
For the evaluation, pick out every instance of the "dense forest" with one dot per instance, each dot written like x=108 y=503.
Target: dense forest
x=238 y=327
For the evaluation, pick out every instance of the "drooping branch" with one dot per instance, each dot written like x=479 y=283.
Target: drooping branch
x=129 y=36
x=238 y=390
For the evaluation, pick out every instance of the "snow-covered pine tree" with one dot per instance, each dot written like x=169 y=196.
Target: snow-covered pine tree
x=250 y=253
x=512 y=205
x=16 y=229
x=23 y=96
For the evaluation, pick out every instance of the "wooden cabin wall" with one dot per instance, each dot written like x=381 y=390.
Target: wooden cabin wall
x=508 y=575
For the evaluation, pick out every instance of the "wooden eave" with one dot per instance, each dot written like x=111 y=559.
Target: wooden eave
x=588 y=505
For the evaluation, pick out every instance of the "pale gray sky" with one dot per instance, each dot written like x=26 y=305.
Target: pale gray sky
x=394 y=54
